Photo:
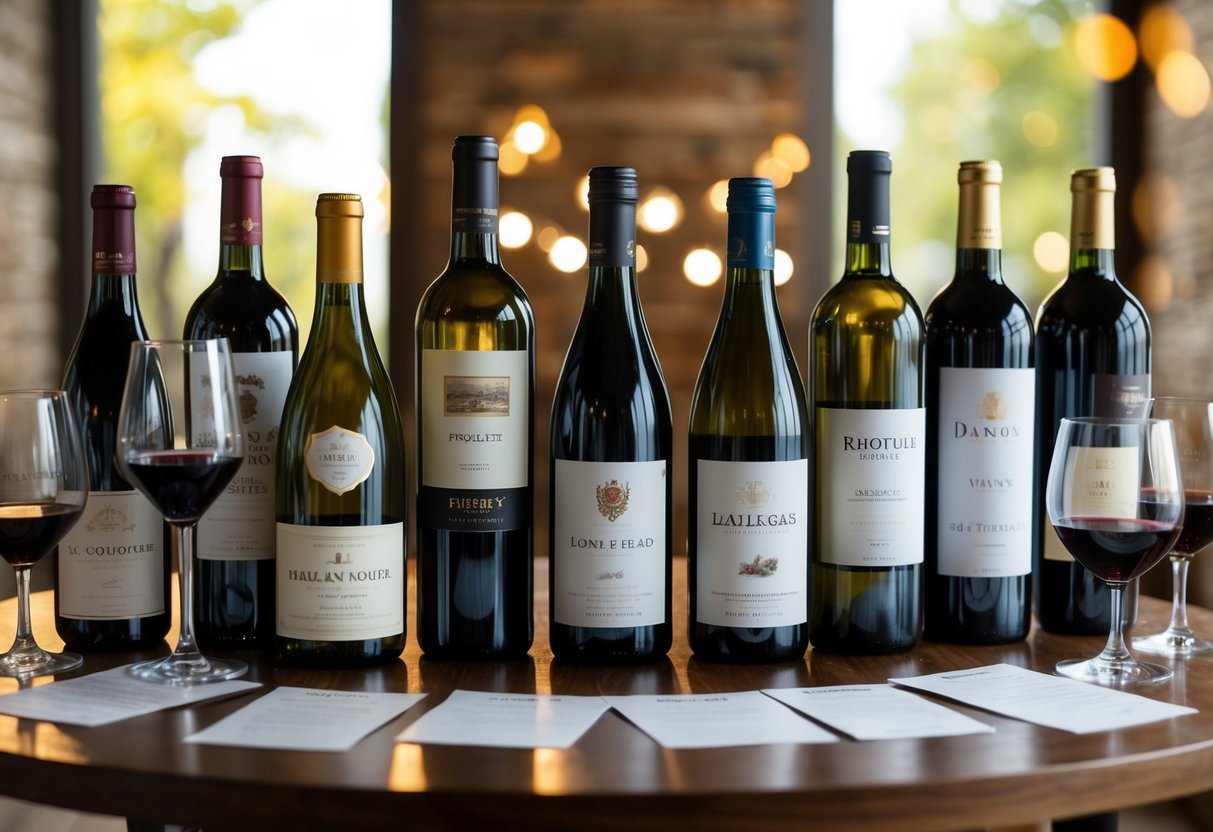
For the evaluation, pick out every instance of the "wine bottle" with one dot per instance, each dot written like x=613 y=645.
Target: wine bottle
x=340 y=472
x=748 y=547
x=112 y=569
x=234 y=580
x=1092 y=359
x=981 y=418
x=475 y=429
x=867 y=346
x=612 y=440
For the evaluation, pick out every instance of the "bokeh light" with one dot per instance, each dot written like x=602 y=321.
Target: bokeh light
x=1052 y=252
x=792 y=151
x=1155 y=207
x=547 y=238
x=702 y=267
x=718 y=196
x=582 y=192
x=512 y=161
x=529 y=136
x=514 y=229
x=642 y=258
x=1040 y=128
x=1153 y=283
x=1162 y=29
x=783 y=267
x=982 y=74
x=1183 y=83
x=568 y=254
x=660 y=211
x=1105 y=46
x=772 y=167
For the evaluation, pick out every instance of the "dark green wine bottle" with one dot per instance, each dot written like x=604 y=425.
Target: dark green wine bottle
x=866 y=344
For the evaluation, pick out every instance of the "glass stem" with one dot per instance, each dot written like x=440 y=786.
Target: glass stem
x=185 y=568
x=1115 y=650
x=24 y=641
x=1179 y=597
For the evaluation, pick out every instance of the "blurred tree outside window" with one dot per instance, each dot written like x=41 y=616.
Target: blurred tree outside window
x=937 y=82
x=301 y=83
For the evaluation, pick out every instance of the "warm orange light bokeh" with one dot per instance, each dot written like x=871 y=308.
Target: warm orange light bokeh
x=1183 y=83
x=1162 y=29
x=1105 y=46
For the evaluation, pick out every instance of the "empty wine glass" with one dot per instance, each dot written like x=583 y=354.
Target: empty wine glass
x=1115 y=495
x=180 y=442
x=1193 y=419
x=43 y=488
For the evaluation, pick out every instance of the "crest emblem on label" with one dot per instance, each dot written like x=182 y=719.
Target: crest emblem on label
x=754 y=493
x=994 y=407
x=109 y=519
x=339 y=459
x=612 y=499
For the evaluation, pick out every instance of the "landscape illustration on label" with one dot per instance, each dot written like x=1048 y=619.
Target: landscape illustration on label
x=476 y=395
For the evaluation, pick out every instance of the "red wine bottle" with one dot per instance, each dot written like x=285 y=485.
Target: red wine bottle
x=981 y=392
x=234 y=582
x=612 y=443
x=475 y=430
x=1092 y=359
x=112 y=569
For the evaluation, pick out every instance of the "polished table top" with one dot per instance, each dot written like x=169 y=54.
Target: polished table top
x=616 y=775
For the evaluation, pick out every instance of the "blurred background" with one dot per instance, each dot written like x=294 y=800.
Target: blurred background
x=367 y=95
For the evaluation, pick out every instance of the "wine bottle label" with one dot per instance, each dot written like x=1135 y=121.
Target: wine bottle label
x=340 y=583
x=752 y=543
x=610 y=543
x=1053 y=548
x=873 y=478
x=111 y=563
x=339 y=459
x=476 y=439
x=984 y=471
x=239 y=525
x=1120 y=395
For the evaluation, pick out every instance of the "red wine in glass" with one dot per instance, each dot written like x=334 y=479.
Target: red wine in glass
x=29 y=530
x=182 y=484
x=1116 y=550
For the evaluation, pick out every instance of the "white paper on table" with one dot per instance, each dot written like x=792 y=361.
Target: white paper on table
x=717 y=720
x=878 y=712
x=1052 y=701
x=110 y=696
x=506 y=720
x=307 y=719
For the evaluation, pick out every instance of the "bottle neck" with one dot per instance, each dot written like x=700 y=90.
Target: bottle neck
x=110 y=290
x=612 y=258
x=1093 y=262
x=340 y=315
x=867 y=252
x=750 y=262
x=980 y=264
x=240 y=262
x=474 y=212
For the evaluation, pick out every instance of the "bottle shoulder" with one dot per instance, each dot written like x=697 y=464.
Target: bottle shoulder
x=477 y=293
x=988 y=306
x=867 y=301
x=251 y=313
x=1088 y=305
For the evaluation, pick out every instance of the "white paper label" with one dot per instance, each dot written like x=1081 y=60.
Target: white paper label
x=986 y=424
x=340 y=583
x=1054 y=549
x=874 y=476
x=239 y=525
x=753 y=543
x=610 y=544
x=474 y=416
x=111 y=563
x=339 y=459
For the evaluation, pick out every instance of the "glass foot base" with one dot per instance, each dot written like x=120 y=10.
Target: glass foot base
x=1173 y=643
x=1115 y=674
x=197 y=670
x=37 y=662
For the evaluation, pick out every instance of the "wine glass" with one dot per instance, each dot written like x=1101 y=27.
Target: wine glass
x=180 y=442
x=1193 y=420
x=1115 y=495
x=43 y=488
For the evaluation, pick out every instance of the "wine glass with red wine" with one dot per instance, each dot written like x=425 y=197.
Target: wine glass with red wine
x=1115 y=495
x=180 y=441
x=43 y=488
x=1193 y=419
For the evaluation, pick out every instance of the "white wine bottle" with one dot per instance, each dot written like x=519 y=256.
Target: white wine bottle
x=748 y=533
x=867 y=346
x=475 y=430
x=340 y=472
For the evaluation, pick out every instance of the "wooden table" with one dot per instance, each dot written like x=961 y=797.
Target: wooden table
x=615 y=776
